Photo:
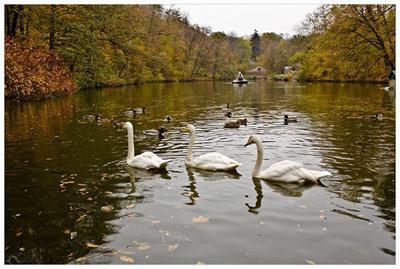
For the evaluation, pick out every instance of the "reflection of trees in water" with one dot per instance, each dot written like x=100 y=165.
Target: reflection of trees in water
x=285 y=189
x=389 y=100
x=362 y=151
x=28 y=120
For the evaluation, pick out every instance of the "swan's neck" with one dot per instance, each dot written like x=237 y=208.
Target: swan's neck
x=131 y=145
x=260 y=156
x=189 y=156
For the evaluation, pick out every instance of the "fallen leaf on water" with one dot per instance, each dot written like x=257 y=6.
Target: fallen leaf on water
x=82 y=189
x=81 y=260
x=18 y=234
x=172 y=248
x=138 y=243
x=22 y=249
x=67 y=231
x=302 y=206
x=73 y=234
x=144 y=247
x=89 y=198
x=81 y=218
x=107 y=208
x=130 y=206
x=200 y=219
x=154 y=221
x=309 y=261
x=91 y=245
x=126 y=259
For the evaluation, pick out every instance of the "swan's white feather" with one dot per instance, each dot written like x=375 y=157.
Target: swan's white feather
x=289 y=171
x=146 y=160
x=214 y=161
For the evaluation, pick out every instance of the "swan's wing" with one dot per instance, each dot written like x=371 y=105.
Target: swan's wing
x=282 y=169
x=287 y=164
x=215 y=161
x=151 y=155
x=146 y=160
x=214 y=157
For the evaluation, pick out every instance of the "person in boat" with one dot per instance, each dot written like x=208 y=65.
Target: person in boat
x=240 y=76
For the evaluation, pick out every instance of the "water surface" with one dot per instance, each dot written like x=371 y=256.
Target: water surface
x=60 y=170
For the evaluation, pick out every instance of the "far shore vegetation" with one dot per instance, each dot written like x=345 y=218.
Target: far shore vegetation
x=53 y=50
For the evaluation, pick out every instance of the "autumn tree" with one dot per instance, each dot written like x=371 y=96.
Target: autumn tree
x=348 y=42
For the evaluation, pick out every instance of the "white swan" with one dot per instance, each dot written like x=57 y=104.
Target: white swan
x=213 y=161
x=146 y=160
x=284 y=171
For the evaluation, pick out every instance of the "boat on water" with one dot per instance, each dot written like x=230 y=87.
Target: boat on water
x=235 y=81
x=240 y=79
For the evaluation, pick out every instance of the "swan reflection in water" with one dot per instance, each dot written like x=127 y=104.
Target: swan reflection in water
x=190 y=189
x=285 y=189
x=139 y=175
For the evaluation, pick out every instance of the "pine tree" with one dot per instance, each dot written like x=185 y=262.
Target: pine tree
x=255 y=42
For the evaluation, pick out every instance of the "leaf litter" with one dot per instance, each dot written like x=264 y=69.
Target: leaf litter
x=126 y=259
x=172 y=248
x=200 y=219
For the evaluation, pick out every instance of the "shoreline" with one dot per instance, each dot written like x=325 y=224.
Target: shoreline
x=18 y=100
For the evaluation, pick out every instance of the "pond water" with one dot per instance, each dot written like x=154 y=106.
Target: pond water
x=63 y=173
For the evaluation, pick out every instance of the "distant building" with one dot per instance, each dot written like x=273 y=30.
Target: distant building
x=257 y=71
x=288 y=69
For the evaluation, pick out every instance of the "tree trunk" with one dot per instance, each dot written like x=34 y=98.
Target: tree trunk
x=52 y=26
x=7 y=19
x=14 y=23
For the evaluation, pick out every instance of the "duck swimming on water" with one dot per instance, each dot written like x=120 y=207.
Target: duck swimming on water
x=161 y=132
x=287 y=119
x=232 y=124
x=168 y=118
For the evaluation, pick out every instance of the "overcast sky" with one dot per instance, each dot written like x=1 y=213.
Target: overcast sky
x=244 y=18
